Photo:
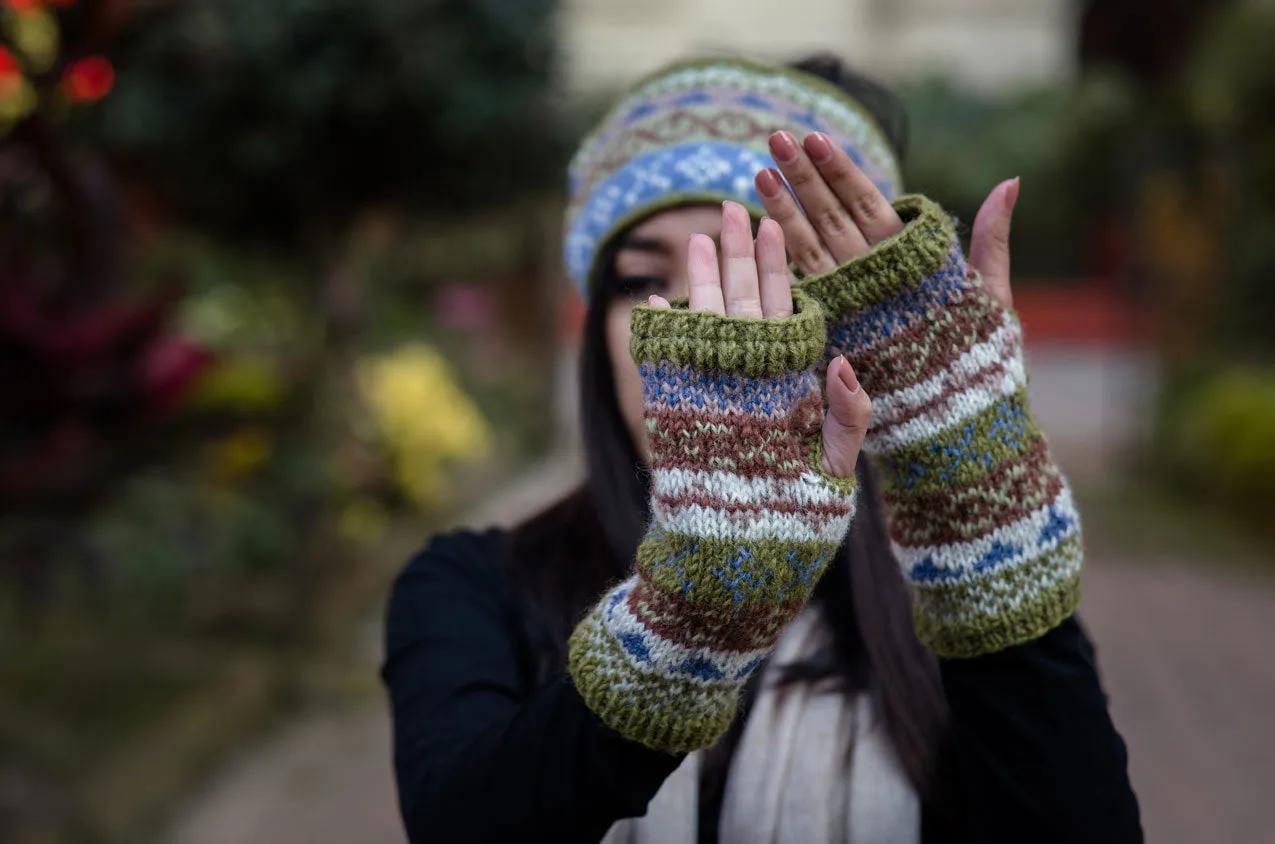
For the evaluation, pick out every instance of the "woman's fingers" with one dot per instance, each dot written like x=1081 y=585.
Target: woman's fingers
x=989 y=245
x=772 y=271
x=657 y=302
x=703 y=278
x=847 y=419
x=831 y=219
x=739 y=263
x=872 y=213
x=803 y=242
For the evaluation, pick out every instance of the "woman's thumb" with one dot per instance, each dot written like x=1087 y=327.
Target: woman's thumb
x=846 y=423
x=989 y=247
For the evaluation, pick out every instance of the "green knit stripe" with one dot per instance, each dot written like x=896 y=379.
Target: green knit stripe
x=733 y=574
x=893 y=265
x=705 y=340
x=672 y=715
x=1006 y=608
x=962 y=453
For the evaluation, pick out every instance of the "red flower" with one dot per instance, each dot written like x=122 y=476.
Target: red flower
x=22 y=5
x=88 y=80
x=8 y=64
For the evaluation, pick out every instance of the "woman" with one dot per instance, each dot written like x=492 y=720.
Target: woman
x=711 y=640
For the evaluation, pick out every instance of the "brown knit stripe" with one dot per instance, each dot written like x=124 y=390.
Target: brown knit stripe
x=941 y=409
x=672 y=616
x=925 y=349
x=962 y=512
x=776 y=447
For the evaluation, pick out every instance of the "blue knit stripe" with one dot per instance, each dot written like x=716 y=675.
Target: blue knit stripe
x=913 y=305
x=667 y=385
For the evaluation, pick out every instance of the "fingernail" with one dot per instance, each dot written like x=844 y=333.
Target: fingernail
x=650 y=300
x=847 y=376
x=783 y=146
x=819 y=146
x=1011 y=195
x=768 y=183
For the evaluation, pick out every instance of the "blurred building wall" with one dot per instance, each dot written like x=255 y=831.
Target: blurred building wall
x=988 y=45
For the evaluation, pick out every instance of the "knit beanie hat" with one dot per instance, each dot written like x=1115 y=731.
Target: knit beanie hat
x=698 y=132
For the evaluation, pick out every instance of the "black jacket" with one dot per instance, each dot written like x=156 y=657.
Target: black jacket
x=484 y=751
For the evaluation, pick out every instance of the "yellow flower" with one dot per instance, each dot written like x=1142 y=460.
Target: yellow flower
x=34 y=32
x=241 y=453
x=17 y=98
x=423 y=417
x=363 y=522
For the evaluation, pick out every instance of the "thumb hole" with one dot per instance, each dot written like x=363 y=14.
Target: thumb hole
x=846 y=422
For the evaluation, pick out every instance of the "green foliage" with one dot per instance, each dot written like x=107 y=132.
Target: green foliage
x=1058 y=141
x=1226 y=100
x=1221 y=441
x=280 y=119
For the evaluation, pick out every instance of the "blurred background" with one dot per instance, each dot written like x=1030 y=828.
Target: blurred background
x=280 y=296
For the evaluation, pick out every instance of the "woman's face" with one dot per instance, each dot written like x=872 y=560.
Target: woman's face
x=650 y=260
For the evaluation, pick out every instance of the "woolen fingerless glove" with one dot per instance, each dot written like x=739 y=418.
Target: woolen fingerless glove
x=743 y=522
x=981 y=518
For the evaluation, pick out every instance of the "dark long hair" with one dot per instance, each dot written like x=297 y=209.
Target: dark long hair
x=566 y=556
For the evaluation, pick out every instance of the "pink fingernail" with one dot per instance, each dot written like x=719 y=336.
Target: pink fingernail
x=819 y=146
x=1011 y=195
x=847 y=376
x=783 y=146
x=768 y=184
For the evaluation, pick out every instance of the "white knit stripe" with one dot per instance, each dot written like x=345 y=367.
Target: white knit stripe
x=708 y=522
x=667 y=658
x=1003 y=346
x=1001 y=598
x=1023 y=536
x=953 y=411
x=807 y=489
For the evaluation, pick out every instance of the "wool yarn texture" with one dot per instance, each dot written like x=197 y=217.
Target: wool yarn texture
x=981 y=518
x=743 y=522
x=698 y=132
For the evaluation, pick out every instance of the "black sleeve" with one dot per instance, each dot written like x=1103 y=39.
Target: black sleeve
x=1034 y=755
x=479 y=755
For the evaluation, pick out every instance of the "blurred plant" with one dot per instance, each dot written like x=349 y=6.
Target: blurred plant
x=87 y=366
x=422 y=417
x=30 y=76
x=1226 y=101
x=282 y=121
x=1222 y=442
x=1058 y=141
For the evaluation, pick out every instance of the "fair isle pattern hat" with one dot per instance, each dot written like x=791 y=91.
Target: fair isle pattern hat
x=698 y=132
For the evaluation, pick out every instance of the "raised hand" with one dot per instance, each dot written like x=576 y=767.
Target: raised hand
x=752 y=280
x=845 y=214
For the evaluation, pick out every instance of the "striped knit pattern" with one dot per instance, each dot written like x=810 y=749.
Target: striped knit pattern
x=698 y=132
x=981 y=519
x=743 y=522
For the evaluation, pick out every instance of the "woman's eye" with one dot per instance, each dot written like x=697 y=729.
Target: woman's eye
x=642 y=286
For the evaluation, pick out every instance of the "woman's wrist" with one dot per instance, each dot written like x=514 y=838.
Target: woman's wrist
x=982 y=520
x=744 y=522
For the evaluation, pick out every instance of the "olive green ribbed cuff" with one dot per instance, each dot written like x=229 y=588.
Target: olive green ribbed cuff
x=671 y=714
x=894 y=264
x=1006 y=609
x=704 y=340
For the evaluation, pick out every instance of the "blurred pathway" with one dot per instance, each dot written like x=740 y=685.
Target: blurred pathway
x=1185 y=651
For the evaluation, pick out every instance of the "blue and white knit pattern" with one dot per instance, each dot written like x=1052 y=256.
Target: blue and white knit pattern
x=699 y=133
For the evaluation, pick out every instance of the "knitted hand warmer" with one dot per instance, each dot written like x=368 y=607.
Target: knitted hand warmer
x=744 y=521
x=981 y=518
